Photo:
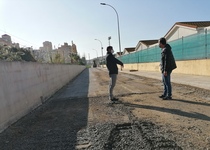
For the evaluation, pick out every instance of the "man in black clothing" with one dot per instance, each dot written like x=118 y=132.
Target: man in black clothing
x=111 y=63
x=167 y=65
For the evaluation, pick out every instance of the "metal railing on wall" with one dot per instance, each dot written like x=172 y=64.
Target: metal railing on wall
x=196 y=46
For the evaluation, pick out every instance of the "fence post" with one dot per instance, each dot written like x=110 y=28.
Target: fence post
x=182 y=47
x=206 y=43
x=138 y=60
x=156 y=48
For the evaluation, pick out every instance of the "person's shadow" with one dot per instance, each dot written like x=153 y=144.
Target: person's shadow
x=179 y=112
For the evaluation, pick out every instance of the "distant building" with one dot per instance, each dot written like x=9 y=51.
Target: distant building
x=177 y=31
x=144 y=44
x=128 y=50
x=47 y=45
x=74 y=48
x=6 y=40
x=118 y=54
x=45 y=52
x=183 y=29
x=60 y=55
x=2 y=42
x=64 y=52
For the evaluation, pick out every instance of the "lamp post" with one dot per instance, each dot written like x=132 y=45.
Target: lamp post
x=118 y=24
x=109 y=38
x=101 y=50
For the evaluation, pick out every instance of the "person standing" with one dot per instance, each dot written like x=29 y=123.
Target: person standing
x=111 y=63
x=167 y=65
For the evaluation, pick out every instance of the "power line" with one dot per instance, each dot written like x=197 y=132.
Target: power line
x=20 y=39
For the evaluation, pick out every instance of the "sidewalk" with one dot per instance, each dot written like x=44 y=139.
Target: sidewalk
x=192 y=80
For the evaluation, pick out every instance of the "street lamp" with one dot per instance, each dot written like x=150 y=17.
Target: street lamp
x=101 y=49
x=109 y=38
x=118 y=24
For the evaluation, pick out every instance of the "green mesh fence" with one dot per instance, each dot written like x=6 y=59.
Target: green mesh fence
x=195 y=46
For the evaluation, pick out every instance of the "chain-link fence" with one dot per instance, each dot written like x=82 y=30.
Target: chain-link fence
x=196 y=46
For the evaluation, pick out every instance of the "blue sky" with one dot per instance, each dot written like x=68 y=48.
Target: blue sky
x=31 y=22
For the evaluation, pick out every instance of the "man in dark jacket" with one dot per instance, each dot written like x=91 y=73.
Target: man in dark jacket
x=167 y=65
x=111 y=63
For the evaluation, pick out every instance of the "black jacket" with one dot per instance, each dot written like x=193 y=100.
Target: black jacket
x=111 y=63
x=167 y=59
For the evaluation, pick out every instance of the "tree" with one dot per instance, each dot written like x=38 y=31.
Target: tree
x=75 y=59
x=15 y=54
x=57 y=58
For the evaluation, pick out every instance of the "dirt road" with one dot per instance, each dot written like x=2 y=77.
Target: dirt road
x=80 y=116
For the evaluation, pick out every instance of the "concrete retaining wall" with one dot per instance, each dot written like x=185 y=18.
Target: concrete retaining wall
x=193 y=67
x=24 y=86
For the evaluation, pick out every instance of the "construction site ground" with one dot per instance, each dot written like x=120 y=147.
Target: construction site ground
x=80 y=116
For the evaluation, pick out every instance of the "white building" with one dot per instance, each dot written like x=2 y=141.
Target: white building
x=128 y=50
x=144 y=44
x=182 y=29
x=177 y=31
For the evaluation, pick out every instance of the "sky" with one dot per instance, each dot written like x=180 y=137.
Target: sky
x=31 y=22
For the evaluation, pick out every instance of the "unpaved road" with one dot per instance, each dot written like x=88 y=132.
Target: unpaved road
x=80 y=116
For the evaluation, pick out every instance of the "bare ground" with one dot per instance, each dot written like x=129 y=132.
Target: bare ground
x=185 y=119
x=80 y=116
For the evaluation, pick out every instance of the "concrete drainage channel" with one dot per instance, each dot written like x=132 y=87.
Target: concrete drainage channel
x=125 y=136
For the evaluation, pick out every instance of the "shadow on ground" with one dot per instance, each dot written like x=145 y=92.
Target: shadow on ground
x=171 y=111
x=55 y=124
